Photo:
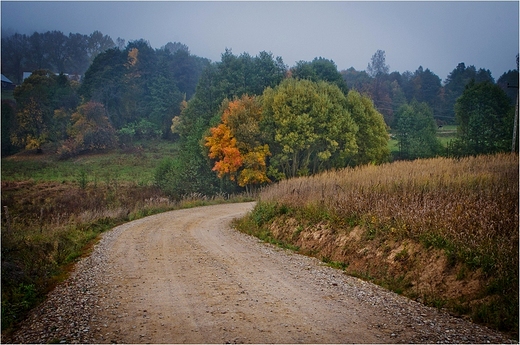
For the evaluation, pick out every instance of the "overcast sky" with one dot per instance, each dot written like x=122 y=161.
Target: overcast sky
x=436 y=35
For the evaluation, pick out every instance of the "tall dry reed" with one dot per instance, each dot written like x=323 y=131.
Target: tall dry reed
x=469 y=205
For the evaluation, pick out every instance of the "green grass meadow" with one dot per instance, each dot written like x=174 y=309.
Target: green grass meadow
x=136 y=165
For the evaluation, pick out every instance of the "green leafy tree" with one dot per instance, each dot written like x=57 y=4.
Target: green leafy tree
x=416 y=131
x=55 y=44
x=103 y=83
x=398 y=96
x=372 y=136
x=37 y=54
x=456 y=82
x=37 y=100
x=77 y=61
x=485 y=117
x=319 y=69
x=175 y=47
x=97 y=44
x=186 y=70
x=309 y=128
x=377 y=66
x=509 y=83
x=140 y=82
x=427 y=88
x=165 y=96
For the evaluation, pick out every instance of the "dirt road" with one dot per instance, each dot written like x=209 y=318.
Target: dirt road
x=187 y=277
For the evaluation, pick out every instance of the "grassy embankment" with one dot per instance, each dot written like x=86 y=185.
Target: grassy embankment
x=441 y=231
x=53 y=212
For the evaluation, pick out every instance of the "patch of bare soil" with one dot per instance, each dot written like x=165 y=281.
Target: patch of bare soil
x=187 y=277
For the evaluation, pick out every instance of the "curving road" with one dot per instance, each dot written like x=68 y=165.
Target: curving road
x=186 y=277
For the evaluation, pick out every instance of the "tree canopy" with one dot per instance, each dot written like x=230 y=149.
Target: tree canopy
x=44 y=102
x=485 y=118
x=299 y=127
x=244 y=120
x=309 y=127
x=52 y=50
x=415 y=130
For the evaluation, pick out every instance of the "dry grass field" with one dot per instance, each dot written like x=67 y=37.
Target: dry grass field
x=397 y=223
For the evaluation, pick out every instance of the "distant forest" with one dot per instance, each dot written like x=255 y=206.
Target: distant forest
x=73 y=55
x=124 y=92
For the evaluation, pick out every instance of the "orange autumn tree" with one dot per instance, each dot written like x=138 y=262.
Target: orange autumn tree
x=236 y=143
x=223 y=149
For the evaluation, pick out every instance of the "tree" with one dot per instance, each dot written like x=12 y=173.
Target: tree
x=509 y=83
x=232 y=77
x=37 y=99
x=38 y=56
x=456 y=82
x=55 y=45
x=164 y=103
x=14 y=55
x=485 y=117
x=77 y=59
x=358 y=80
x=427 y=88
x=309 y=128
x=397 y=95
x=380 y=90
x=98 y=43
x=236 y=143
x=51 y=50
x=176 y=46
x=416 y=131
x=319 y=69
x=372 y=136
x=377 y=65
x=103 y=83
x=90 y=131
x=8 y=125
x=186 y=70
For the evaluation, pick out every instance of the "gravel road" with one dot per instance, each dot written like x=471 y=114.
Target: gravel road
x=186 y=277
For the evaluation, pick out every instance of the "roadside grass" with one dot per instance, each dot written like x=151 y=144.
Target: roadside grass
x=54 y=211
x=465 y=208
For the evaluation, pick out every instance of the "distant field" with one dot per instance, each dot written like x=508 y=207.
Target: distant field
x=136 y=165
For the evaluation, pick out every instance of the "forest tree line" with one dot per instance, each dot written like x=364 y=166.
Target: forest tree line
x=301 y=120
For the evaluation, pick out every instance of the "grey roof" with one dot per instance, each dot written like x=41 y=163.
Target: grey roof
x=5 y=79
